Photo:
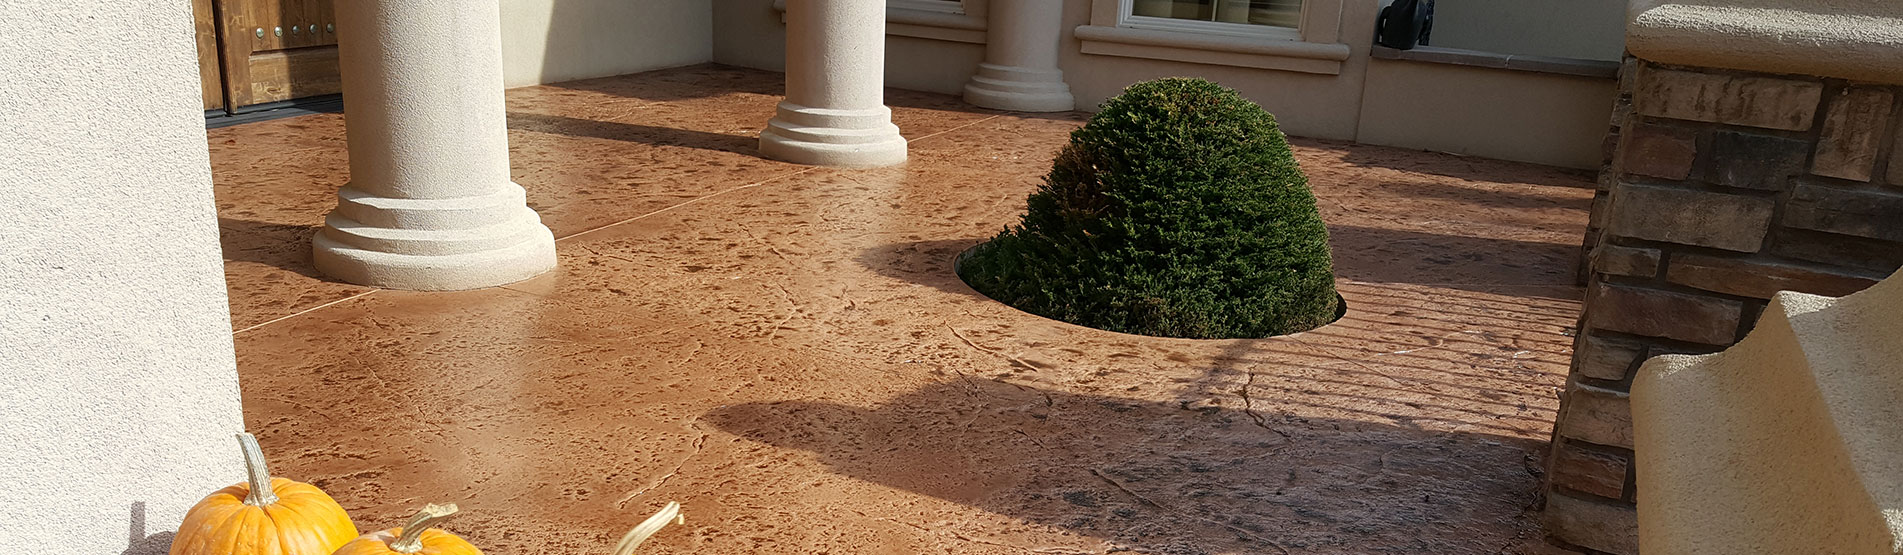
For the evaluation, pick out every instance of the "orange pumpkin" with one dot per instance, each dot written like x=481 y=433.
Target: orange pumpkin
x=415 y=537
x=263 y=516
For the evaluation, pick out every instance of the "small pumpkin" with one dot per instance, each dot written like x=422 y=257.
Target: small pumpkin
x=263 y=516
x=415 y=537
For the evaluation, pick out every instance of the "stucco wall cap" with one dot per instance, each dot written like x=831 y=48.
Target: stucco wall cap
x=1860 y=40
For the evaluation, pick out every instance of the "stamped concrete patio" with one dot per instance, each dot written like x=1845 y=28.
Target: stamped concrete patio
x=786 y=351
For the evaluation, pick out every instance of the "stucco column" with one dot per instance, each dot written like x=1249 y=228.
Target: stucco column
x=834 y=113
x=1020 y=68
x=429 y=205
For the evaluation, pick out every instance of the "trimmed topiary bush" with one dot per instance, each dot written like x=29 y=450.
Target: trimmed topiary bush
x=1177 y=211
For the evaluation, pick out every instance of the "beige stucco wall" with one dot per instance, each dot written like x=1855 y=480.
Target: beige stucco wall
x=118 y=388
x=750 y=34
x=549 y=41
x=1588 y=29
x=952 y=63
x=1514 y=115
x=1305 y=104
x=1559 y=120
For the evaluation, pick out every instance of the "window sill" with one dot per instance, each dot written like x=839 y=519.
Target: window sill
x=1260 y=53
x=925 y=24
x=1509 y=62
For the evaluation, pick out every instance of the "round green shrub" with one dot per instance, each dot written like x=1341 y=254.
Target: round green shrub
x=1177 y=211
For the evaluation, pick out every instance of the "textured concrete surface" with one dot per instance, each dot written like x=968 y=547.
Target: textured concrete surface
x=786 y=351
x=118 y=394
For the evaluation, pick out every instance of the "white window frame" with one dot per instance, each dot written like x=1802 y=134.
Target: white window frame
x=940 y=6
x=1127 y=18
x=1314 y=46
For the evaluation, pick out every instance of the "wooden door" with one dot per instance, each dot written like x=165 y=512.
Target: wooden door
x=274 y=50
x=209 y=76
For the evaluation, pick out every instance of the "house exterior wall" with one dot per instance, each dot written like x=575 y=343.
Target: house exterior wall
x=1544 y=118
x=1496 y=113
x=118 y=388
x=549 y=41
x=1587 y=29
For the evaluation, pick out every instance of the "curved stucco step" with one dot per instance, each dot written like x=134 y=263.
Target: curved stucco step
x=1788 y=442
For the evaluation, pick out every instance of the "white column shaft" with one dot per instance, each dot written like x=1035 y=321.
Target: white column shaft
x=430 y=204
x=423 y=80
x=1024 y=33
x=835 y=53
x=834 y=113
x=1020 y=73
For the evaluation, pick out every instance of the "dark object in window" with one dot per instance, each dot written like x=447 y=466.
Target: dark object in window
x=1404 y=24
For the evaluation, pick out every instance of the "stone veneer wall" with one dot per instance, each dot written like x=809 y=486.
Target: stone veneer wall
x=1722 y=188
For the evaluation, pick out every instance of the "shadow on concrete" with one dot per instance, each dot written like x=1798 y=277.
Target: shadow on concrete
x=1486 y=170
x=284 y=246
x=928 y=263
x=684 y=83
x=1479 y=264
x=632 y=132
x=716 y=80
x=138 y=543
x=1156 y=477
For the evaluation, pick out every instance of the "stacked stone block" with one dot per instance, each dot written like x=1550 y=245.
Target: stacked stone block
x=1722 y=188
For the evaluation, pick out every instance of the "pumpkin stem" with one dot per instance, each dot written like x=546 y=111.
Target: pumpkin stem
x=256 y=472
x=412 y=539
x=671 y=514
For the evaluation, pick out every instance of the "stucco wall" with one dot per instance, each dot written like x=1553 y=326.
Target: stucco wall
x=1588 y=29
x=1544 y=118
x=1535 y=117
x=750 y=34
x=118 y=389
x=549 y=41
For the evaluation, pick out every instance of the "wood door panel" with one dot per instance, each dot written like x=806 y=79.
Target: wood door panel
x=278 y=50
x=210 y=77
x=294 y=73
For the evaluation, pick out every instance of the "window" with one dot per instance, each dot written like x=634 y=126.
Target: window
x=1273 y=13
x=1289 y=35
x=941 y=6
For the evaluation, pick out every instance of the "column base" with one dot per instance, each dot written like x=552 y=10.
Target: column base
x=433 y=244
x=1019 y=89
x=825 y=137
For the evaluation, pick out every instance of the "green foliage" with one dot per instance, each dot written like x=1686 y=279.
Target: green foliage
x=1177 y=211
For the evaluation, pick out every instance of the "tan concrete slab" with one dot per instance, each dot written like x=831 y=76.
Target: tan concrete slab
x=794 y=360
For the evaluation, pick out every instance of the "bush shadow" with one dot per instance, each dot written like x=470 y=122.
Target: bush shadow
x=929 y=263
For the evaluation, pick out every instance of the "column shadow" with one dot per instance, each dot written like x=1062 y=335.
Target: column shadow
x=282 y=246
